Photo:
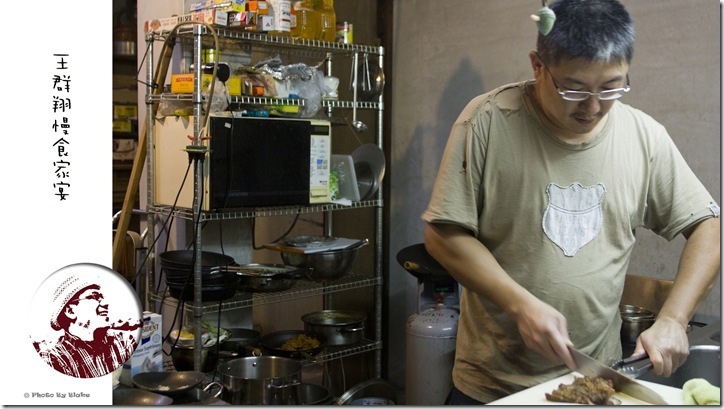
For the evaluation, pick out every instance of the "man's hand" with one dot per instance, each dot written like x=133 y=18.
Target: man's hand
x=666 y=344
x=545 y=330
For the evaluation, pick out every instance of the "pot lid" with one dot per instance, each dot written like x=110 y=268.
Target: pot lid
x=371 y=388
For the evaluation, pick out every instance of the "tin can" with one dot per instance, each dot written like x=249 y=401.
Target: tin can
x=344 y=32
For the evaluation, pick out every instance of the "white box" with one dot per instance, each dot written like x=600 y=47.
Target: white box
x=148 y=356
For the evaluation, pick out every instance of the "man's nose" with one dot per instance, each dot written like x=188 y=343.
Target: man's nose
x=591 y=105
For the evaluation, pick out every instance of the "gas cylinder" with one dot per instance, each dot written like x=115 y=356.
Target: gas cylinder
x=430 y=354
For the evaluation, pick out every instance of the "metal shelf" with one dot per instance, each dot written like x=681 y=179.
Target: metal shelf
x=275 y=42
x=302 y=289
x=188 y=214
x=248 y=100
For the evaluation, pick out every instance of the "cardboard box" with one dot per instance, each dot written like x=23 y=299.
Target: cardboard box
x=223 y=5
x=213 y=17
x=148 y=356
x=184 y=83
x=260 y=7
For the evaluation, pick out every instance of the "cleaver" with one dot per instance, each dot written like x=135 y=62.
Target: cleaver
x=622 y=383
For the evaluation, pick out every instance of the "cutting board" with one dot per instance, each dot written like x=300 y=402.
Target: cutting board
x=536 y=394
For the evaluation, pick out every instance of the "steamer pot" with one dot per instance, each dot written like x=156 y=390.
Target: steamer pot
x=261 y=380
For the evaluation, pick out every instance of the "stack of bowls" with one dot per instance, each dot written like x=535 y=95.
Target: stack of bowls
x=217 y=284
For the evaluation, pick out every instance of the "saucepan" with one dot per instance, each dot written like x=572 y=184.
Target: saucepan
x=260 y=380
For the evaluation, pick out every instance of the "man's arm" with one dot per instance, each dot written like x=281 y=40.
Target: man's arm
x=666 y=342
x=542 y=327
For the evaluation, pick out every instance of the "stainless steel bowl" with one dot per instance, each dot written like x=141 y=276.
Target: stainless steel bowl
x=325 y=265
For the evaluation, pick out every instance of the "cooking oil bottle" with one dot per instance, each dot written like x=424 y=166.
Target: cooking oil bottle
x=305 y=20
x=328 y=20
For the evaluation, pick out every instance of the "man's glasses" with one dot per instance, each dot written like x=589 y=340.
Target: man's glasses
x=578 y=96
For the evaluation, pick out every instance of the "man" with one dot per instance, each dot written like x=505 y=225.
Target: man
x=534 y=211
x=87 y=348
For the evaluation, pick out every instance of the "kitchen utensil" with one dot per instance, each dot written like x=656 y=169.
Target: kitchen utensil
x=369 y=167
x=418 y=262
x=313 y=394
x=184 y=259
x=373 y=80
x=261 y=380
x=622 y=383
x=267 y=277
x=242 y=339
x=218 y=291
x=335 y=327
x=168 y=383
x=183 y=357
x=379 y=390
x=635 y=320
x=198 y=396
x=357 y=125
x=325 y=265
x=309 y=241
x=624 y=365
x=272 y=343
x=139 y=397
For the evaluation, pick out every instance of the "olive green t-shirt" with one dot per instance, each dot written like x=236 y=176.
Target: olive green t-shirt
x=560 y=219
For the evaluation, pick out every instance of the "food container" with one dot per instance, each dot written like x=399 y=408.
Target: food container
x=635 y=321
x=335 y=327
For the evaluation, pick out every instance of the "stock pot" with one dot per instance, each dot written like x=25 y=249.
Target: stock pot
x=261 y=380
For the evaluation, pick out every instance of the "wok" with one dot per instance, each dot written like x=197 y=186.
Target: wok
x=168 y=383
x=139 y=397
x=183 y=259
x=273 y=342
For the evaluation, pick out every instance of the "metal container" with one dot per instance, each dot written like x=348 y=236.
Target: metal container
x=261 y=380
x=430 y=344
x=335 y=327
x=267 y=277
x=635 y=320
x=325 y=265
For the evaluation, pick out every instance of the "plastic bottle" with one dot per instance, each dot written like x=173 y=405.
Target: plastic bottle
x=305 y=20
x=328 y=21
x=281 y=11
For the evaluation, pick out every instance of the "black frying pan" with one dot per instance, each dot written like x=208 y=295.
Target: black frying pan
x=168 y=383
x=418 y=262
x=138 y=397
x=273 y=342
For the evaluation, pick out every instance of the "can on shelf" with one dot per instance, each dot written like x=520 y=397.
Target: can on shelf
x=344 y=32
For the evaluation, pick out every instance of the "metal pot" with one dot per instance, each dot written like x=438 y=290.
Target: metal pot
x=635 y=320
x=325 y=265
x=335 y=327
x=261 y=380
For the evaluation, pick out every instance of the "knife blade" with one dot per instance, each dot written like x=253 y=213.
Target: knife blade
x=622 y=383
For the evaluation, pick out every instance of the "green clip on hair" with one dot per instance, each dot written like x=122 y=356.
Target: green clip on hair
x=544 y=18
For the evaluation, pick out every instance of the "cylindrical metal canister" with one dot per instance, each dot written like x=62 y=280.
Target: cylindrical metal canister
x=430 y=348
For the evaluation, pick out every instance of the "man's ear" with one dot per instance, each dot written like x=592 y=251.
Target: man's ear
x=536 y=64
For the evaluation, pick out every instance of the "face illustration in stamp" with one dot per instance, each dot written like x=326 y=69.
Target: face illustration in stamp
x=86 y=321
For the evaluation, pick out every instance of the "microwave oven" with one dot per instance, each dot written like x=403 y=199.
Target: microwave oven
x=251 y=162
